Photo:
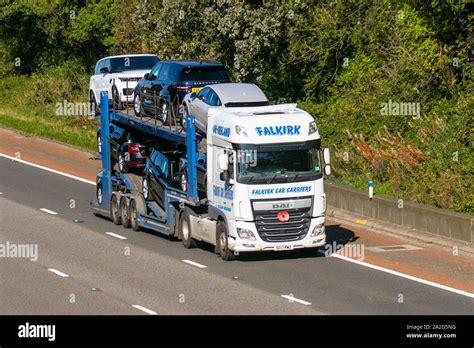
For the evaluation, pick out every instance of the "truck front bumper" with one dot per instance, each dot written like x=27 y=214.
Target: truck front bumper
x=238 y=244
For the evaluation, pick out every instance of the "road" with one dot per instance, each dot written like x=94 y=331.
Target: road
x=112 y=270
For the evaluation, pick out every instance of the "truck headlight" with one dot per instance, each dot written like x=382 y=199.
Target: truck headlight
x=312 y=128
x=318 y=230
x=246 y=234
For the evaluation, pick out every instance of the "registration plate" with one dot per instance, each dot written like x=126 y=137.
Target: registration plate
x=283 y=247
x=196 y=89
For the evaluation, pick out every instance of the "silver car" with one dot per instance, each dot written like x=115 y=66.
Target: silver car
x=222 y=95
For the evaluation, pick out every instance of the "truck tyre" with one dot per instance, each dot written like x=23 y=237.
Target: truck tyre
x=99 y=193
x=125 y=212
x=133 y=216
x=223 y=242
x=185 y=231
x=115 y=212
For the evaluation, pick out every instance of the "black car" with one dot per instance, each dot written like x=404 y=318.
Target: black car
x=161 y=91
x=126 y=150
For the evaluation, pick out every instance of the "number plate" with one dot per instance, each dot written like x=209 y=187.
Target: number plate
x=196 y=89
x=283 y=247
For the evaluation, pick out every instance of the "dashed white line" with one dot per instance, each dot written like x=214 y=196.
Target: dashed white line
x=115 y=235
x=194 y=263
x=59 y=273
x=297 y=300
x=403 y=275
x=48 y=169
x=49 y=211
x=146 y=310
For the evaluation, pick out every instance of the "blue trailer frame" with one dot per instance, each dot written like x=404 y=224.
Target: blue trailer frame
x=149 y=215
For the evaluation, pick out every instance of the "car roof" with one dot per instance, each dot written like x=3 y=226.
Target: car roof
x=238 y=92
x=130 y=55
x=192 y=63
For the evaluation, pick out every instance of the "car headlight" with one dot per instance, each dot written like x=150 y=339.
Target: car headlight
x=312 y=128
x=318 y=230
x=246 y=234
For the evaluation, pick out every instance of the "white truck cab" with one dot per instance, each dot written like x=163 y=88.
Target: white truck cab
x=265 y=177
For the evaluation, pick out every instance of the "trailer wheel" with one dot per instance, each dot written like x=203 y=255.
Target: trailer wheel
x=124 y=212
x=223 y=242
x=115 y=211
x=133 y=216
x=185 y=231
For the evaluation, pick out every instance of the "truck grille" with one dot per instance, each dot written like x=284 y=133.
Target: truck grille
x=271 y=229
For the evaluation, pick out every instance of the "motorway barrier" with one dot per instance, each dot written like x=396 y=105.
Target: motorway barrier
x=425 y=218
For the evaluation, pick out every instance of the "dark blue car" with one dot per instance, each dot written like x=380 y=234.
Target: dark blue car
x=162 y=90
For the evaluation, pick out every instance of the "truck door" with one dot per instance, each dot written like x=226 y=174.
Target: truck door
x=222 y=190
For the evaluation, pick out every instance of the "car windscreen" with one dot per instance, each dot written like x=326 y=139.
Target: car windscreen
x=121 y=64
x=204 y=74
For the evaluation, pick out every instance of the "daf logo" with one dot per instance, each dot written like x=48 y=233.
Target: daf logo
x=287 y=205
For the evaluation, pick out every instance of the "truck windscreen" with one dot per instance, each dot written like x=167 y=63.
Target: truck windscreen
x=272 y=165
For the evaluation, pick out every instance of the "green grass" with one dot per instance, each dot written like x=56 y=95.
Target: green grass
x=57 y=131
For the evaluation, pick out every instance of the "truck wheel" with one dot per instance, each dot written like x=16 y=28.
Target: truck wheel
x=122 y=164
x=99 y=193
x=124 y=213
x=223 y=242
x=133 y=216
x=185 y=231
x=115 y=211
x=146 y=188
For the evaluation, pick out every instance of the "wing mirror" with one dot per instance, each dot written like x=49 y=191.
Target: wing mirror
x=147 y=76
x=193 y=95
x=223 y=162
x=326 y=156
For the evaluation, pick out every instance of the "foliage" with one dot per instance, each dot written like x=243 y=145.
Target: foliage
x=341 y=60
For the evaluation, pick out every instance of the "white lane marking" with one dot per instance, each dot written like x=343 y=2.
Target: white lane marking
x=115 y=235
x=194 y=263
x=427 y=282
x=294 y=299
x=48 y=169
x=403 y=275
x=49 y=211
x=64 y=275
x=146 y=310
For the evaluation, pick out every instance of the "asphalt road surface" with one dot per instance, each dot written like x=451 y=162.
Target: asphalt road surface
x=87 y=265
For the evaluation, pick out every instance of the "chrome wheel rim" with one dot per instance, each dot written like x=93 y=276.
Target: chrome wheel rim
x=136 y=103
x=185 y=230
x=145 y=188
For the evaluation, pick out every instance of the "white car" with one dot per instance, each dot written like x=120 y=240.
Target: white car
x=222 y=95
x=118 y=75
